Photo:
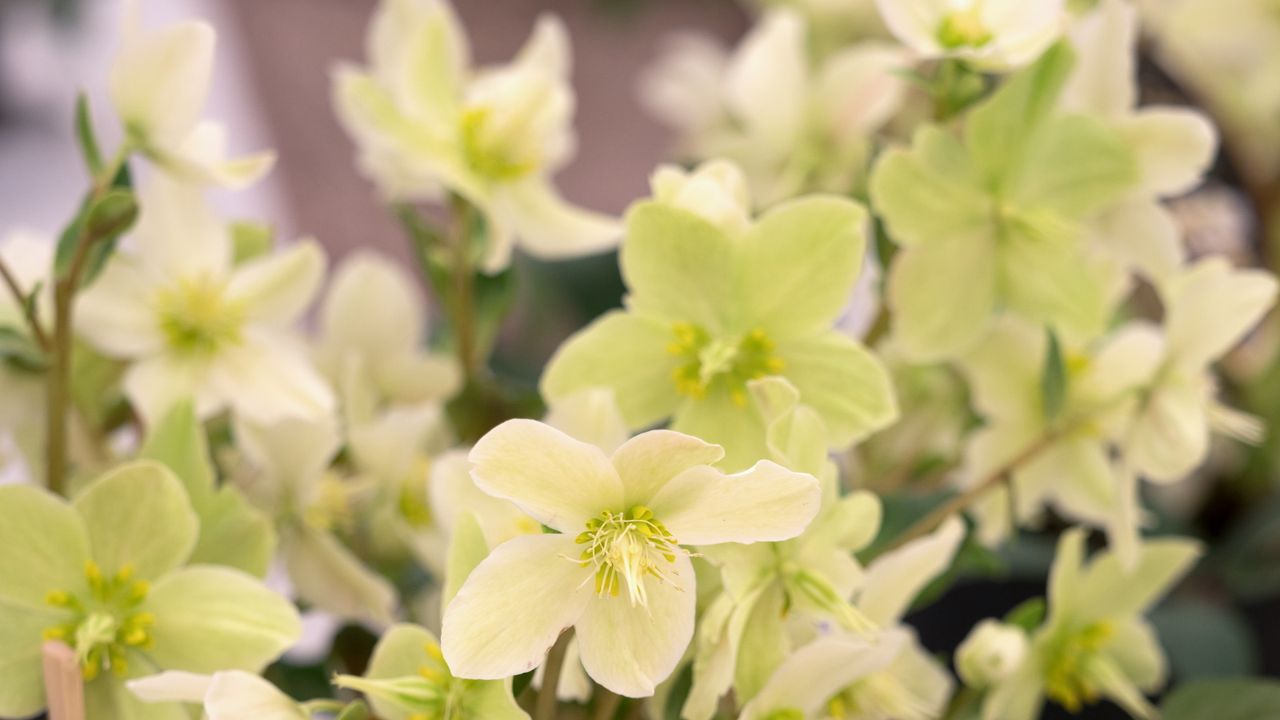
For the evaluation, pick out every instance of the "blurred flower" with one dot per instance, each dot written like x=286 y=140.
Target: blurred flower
x=159 y=83
x=106 y=574
x=426 y=122
x=691 y=340
x=194 y=325
x=1095 y=643
x=793 y=126
x=227 y=695
x=22 y=414
x=991 y=652
x=996 y=34
x=621 y=524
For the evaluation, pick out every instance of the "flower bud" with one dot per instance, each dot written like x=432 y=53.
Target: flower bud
x=991 y=653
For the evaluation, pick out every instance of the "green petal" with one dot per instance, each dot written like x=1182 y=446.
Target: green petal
x=107 y=698
x=820 y=241
x=138 y=515
x=43 y=546
x=719 y=420
x=942 y=295
x=400 y=653
x=212 y=618
x=844 y=382
x=679 y=266
x=1045 y=276
x=1076 y=166
x=178 y=442
x=330 y=577
x=625 y=352
x=491 y=701
x=21 y=671
x=234 y=533
x=763 y=645
x=467 y=549
x=930 y=192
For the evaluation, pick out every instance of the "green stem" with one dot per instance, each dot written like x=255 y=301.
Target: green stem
x=464 y=289
x=545 y=707
x=59 y=379
x=606 y=704
x=28 y=308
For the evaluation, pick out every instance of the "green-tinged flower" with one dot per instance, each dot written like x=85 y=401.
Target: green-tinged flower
x=194 y=325
x=371 y=343
x=159 y=82
x=408 y=679
x=996 y=34
x=617 y=569
x=226 y=695
x=993 y=222
x=991 y=653
x=795 y=126
x=288 y=476
x=426 y=121
x=711 y=309
x=105 y=574
x=1095 y=643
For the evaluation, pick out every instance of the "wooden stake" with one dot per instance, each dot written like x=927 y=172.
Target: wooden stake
x=63 y=682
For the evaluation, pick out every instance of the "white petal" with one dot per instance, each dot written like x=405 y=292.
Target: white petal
x=1104 y=80
x=277 y=288
x=236 y=694
x=647 y=462
x=511 y=609
x=628 y=648
x=1171 y=435
x=1174 y=145
x=558 y=480
x=767 y=82
x=171 y=686
x=293 y=453
x=592 y=416
x=1145 y=236
x=1210 y=306
x=894 y=580
x=160 y=79
x=155 y=384
x=115 y=313
x=914 y=22
x=372 y=307
x=267 y=378
x=550 y=228
x=330 y=577
x=178 y=233
x=202 y=158
x=703 y=506
x=860 y=89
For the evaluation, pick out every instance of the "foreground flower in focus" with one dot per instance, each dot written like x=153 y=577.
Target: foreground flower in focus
x=195 y=325
x=998 y=34
x=105 y=575
x=425 y=122
x=616 y=570
x=1095 y=643
x=709 y=311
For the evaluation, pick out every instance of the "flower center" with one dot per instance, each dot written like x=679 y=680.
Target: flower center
x=627 y=547
x=197 y=318
x=1068 y=680
x=963 y=28
x=733 y=363
x=433 y=694
x=785 y=714
x=106 y=623
x=488 y=150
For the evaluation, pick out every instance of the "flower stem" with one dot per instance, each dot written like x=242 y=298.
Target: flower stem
x=464 y=289
x=606 y=704
x=545 y=707
x=59 y=380
x=28 y=308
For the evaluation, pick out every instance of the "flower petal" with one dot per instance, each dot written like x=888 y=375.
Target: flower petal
x=1104 y=80
x=171 y=686
x=277 y=288
x=930 y=192
x=592 y=416
x=647 y=462
x=722 y=419
x=1170 y=436
x=512 y=608
x=550 y=228
x=21 y=636
x=844 y=382
x=942 y=295
x=330 y=577
x=628 y=648
x=1175 y=147
x=1210 y=307
x=160 y=79
x=212 y=618
x=560 y=481
x=894 y=580
x=766 y=83
x=115 y=313
x=626 y=353
x=138 y=516
x=267 y=378
x=372 y=307
x=236 y=694
x=155 y=385
x=1109 y=589
x=704 y=506
x=43 y=546
x=821 y=241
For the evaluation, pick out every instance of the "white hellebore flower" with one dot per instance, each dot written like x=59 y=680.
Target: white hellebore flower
x=159 y=83
x=991 y=653
x=793 y=125
x=616 y=570
x=194 y=325
x=425 y=120
x=995 y=34
x=228 y=695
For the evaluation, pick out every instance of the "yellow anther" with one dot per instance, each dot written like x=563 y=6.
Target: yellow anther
x=89 y=669
x=54 y=633
x=58 y=598
x=433 y=649
x=124 y=573
x=93 y=573
x=138 y=592
x=432 y=675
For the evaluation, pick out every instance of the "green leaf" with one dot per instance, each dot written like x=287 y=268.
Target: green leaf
x=1028 y=614
x=357 y=710
x=1235 y=699
x=85 y=136
x=101 y=222
x=19 y=351
x=1204 y=640
x=251 y=240
x=1053 y=378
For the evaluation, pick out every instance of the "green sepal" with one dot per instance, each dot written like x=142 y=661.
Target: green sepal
x=1053 y=378
x=251 y=240
x=100 y=221
x=85 y=136
x=20 y=352
x=1028 y=614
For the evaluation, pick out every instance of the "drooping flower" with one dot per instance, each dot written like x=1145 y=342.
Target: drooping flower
x=105 y=574
x=193 y=325
x=426 y=121
x=408 y=678
x=709 y=309
x=225 y=695
x=794 y=126
x=159 y=83
x=995 y=34
x=995 y=221
x=616 y=569
x=1095 y=643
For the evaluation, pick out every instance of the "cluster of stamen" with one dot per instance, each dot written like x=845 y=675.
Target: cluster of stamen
x=197 y=318
x=444 y=687
x=1067 y=677
x=413 y=502
x=486 y=152
x=331 y=508
x=963 y=27
x=106 y=623
x=627 y=547
x=706 y=362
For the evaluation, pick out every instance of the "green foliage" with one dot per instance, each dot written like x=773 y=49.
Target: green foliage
x=1053 y=378
x=1235 y=699
x=19 y=351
